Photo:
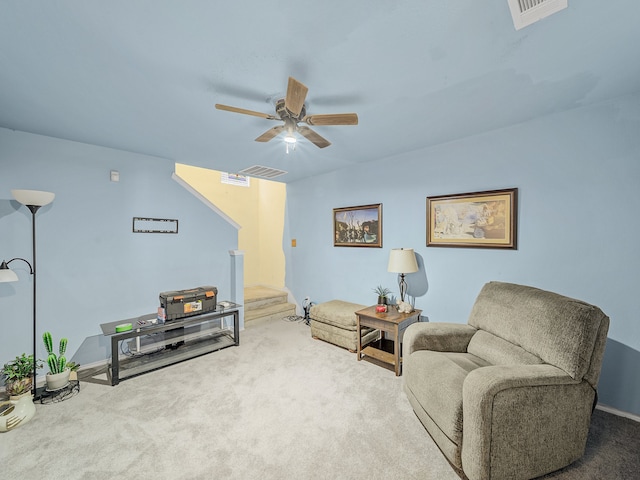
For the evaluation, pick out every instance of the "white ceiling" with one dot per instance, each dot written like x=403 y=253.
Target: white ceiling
x=144 y=75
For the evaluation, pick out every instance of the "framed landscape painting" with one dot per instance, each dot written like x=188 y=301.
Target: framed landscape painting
x=476 y=220
x=358 y=226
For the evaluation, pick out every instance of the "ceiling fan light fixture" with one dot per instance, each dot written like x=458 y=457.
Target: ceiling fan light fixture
x=290 y=142
x=292 y=110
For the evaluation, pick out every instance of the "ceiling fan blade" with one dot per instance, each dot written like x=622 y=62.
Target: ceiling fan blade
x=245 y=112
x=332 y=119
x=296 y=94
x=313 y=137
x=269 y=134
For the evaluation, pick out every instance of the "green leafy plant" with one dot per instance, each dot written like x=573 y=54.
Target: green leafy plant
x=18 y=374
x=382 y=291
x=56 y=363
x=73 y=366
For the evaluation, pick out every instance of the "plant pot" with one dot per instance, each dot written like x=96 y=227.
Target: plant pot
x=56 y=381
x=19 y=387
x=15 y=398
x=16 y=412
x=382 y=300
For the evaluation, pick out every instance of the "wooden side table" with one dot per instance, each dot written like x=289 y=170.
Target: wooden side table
x=389 y=322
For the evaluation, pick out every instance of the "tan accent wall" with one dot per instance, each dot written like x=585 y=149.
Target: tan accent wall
x=259 y=209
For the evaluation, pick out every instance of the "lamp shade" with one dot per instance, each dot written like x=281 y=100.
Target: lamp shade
x=33 y=197
x=402 y=260
x=6 y=274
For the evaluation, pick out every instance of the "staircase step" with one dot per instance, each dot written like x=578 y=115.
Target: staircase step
x=270 y=312
x=279 y=310
x=259 y=297
x=265 y=304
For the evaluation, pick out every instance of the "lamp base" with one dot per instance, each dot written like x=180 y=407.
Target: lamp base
x=403 y=287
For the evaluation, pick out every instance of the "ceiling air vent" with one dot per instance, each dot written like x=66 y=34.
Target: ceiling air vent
x=264 y=172
x=526 y=12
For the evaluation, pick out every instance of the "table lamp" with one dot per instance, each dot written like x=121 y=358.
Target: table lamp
x=402 y=261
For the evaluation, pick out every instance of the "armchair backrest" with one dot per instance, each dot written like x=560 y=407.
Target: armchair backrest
x=561 y=331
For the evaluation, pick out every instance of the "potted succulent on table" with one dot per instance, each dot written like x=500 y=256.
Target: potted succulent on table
x=18 y=375
x=382 y=294
x=58 y=376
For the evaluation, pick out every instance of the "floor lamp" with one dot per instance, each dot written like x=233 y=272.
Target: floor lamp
x=33 y=200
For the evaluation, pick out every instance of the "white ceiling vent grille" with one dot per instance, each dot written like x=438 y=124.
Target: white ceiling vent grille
x=264 y=172
x=526 y=12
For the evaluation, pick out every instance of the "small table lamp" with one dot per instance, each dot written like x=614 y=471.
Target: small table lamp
x=402 y=260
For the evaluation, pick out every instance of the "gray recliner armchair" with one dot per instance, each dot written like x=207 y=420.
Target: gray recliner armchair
x=509 y=395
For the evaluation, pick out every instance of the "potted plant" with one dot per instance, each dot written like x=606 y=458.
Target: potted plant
x=73 y=370
x=58 y=376
x=382 y=294
x=18 y=375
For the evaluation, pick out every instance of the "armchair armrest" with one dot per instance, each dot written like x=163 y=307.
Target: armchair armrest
x=441 y=337
x=510 y=409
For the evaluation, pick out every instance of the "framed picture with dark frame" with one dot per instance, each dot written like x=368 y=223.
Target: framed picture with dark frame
x=358 y=226
x=474 y=220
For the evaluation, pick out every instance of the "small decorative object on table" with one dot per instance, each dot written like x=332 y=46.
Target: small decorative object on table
x=58 y=376
x=381 y=308
x=382 y=294
x=404 y=307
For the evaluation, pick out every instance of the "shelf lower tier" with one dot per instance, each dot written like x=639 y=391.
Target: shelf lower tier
x=152 y=358
x=379 y=355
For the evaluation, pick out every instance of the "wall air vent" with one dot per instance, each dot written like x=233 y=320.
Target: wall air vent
x=526 y=12
x=264 y=172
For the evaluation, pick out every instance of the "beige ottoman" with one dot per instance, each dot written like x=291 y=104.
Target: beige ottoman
x=335 y=322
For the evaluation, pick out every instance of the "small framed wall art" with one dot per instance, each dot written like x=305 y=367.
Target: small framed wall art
x=155 y=225
x=358 y=226
x=474 y=220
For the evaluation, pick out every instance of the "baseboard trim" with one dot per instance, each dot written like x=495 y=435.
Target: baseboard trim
x=620 y=413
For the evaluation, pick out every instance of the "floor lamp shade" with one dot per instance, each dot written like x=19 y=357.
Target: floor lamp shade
x=33 y=197
x=6 y=274
x=402 y=260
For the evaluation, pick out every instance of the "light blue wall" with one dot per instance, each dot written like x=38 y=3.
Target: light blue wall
x=91 y=268
x=578 y=175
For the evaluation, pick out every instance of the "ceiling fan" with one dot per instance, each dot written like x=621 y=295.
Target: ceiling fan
x=292 y=110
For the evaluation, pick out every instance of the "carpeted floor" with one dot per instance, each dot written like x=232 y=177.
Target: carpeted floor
x=613 y=451
x=279 y=406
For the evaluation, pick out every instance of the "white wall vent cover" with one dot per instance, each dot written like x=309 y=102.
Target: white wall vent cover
x=526 y=12
x=264 y=172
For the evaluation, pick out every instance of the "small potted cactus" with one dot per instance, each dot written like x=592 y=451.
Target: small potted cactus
x=58 y=376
